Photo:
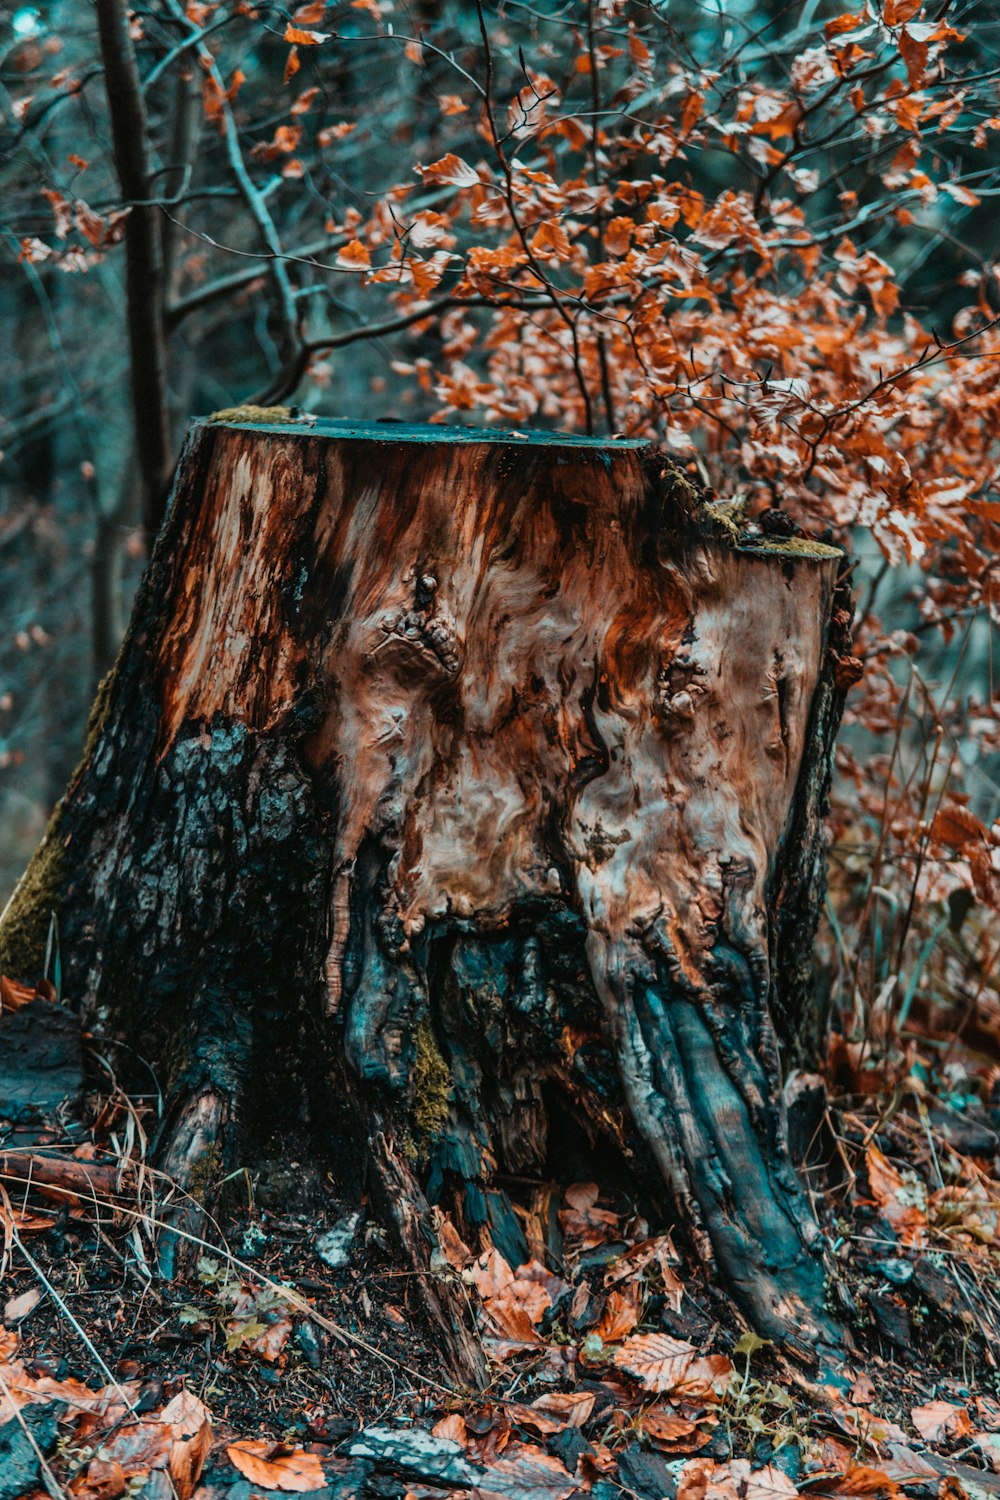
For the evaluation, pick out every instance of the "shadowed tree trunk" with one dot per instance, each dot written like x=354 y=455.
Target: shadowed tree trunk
x=469 y=788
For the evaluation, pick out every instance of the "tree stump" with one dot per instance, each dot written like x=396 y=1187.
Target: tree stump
x=463 y=791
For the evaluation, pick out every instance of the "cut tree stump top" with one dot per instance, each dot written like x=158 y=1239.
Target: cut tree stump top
x=389 y=431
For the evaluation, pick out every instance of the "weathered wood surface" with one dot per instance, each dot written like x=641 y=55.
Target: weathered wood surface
x=484 y=777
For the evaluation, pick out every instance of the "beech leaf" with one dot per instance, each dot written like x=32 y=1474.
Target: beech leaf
x=276 y=1467
x=452 y=170
x=655 y=1359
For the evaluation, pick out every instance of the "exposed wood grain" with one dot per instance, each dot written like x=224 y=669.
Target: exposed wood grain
x=509 y=757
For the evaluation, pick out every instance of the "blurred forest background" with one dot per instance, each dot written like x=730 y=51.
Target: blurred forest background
x=763 y=234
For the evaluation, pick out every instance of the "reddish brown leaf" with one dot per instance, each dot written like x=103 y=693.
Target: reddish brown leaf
x=275 y=1467
x=655 y=1359
x=897 y=11
x=570 y=1408
x=354 y=255
x=940 y=1420
x=303 y=38
x=451 y=169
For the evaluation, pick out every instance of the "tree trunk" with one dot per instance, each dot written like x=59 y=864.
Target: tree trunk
x=463 y=791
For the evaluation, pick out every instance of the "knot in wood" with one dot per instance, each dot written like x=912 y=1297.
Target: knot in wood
x=421 y=636
x=678 y=687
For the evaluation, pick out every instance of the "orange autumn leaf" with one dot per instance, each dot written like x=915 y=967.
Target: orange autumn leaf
x=451 y=1427
x=768 y=1484
x=276 y=1467
x=691 y=113
x=305 y=101
x=427 y=273
x=191 y=1429
x=283 y=143
x=706 y=1378
x=14 y=995
x=914 y=55
x=861 y=1480
x=527 y=1471
x=618 y=235
x=214 y=97
x=550 y=240
x=620 y=1315
x=639 y=52
x=840 y=24
x=961 y=194
x=939 y=1420
x=569 y=1408
x=655 y=1359
x=957 y=826
x=692 y=1482
x=665 y=1429
x=896 y=1198
x=355 y=255
x=451 y=170
x=897 y=11
x=303 y=38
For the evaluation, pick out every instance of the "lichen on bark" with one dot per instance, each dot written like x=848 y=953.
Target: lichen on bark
x=27 y=920
x=37 y=899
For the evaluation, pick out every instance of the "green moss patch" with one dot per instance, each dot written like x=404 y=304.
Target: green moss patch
x=206 y=1170
x=24 y=929
x=26 y=922
x=269 y=414
x=431 y=1083
x=793 y=546
x=728 y=517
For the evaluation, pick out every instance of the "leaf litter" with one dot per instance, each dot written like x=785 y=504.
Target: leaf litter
x=299 y=1362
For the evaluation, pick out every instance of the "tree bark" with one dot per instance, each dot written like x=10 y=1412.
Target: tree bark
x=463 y=792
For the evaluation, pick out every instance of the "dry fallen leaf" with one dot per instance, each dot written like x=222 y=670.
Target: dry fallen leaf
x=275 y=1467
x=770 y=1483
x=666 y=1430
x=583 y=1221
x=939 y=1420
x=190 y=1424
x=620 y=1315
x=106 y=1479
x=707 y=1378
x=858 y=1479
x=452 y=1427
x=899 y=1200
x=138 y=1448
x=536 y=1421
x=571 y=1408
x=692 y=1483
x=18 y=1308
x=13 y=995
x=527 y=1474
x=659 y=1361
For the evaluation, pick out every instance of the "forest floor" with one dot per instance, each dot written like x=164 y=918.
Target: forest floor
x=294 y=1357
